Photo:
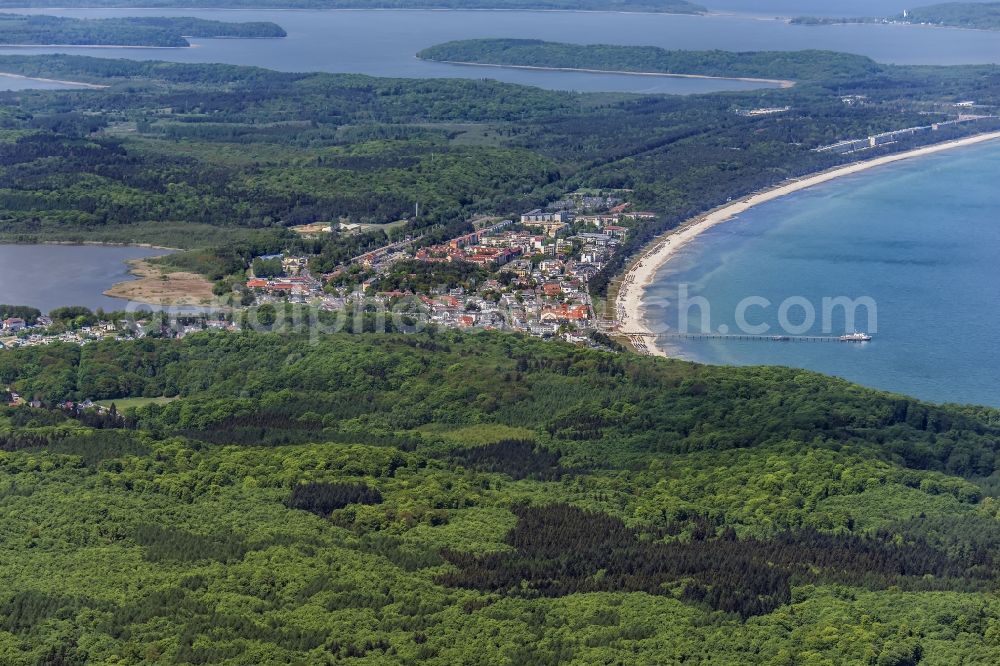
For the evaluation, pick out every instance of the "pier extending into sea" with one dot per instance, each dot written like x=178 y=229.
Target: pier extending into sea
x=742 y=336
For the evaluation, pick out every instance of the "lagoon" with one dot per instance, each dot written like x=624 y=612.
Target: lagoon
x=384 y=42
x=51 y=276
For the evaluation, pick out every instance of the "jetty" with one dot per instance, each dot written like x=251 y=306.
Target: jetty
x=764 y=338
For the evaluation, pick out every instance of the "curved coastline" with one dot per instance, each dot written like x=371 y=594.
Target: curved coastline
x=150 y=285
x=77 y=84
x=780 y=83
x=90 y=46
x=629 y=308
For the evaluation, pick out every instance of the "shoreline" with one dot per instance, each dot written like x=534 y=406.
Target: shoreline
x=89 y=46
x=897 y=24
x=629 y=308
x=42 y=10
x=151 y=285
x=780 y=83
x=77 y=84
x=145 y=246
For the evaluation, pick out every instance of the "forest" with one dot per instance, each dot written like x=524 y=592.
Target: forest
x=483 y=498
x=782 y=65
x=24 y=29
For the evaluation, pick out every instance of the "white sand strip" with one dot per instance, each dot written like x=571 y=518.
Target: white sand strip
x=629 y=307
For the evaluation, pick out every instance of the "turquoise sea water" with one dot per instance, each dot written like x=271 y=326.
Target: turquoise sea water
x=920 y=238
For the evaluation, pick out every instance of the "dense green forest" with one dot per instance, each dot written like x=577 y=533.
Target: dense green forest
x=222 y=160
x=784 y=65
x=668 y=6
x=132 y=31
x=484 y=499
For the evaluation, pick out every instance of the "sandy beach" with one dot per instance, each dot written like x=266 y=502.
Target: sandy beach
x=78 y=84
x=629 y=307
x=154 y=286
x=781 y=83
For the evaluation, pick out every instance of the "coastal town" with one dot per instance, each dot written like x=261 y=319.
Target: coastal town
x=527 y=275
x=16 y=332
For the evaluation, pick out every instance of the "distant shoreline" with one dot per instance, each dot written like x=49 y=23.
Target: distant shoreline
x=352 y=9
x=896 y=24
x=78 y=84
x=144 y=246
x=89 y=46
x=781 y=83
x=123 y=46
x=629 y=305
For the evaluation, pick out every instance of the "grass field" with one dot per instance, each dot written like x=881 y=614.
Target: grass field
x=127 y=403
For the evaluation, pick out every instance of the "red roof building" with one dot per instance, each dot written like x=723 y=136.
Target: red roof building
x=565 y=313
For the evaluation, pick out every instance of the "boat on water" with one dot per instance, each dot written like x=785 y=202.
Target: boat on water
x=855 y=337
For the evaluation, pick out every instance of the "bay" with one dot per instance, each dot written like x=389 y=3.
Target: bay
x=919 y=238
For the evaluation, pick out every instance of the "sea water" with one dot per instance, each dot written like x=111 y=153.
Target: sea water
x=919 y=239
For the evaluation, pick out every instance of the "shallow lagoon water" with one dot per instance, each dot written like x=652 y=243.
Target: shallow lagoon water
x=51 y=276
x=384 y=42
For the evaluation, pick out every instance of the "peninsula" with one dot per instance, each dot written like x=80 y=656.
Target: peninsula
x=971 y=15
x=40 y=30
x=159 y=285
x=780 y=67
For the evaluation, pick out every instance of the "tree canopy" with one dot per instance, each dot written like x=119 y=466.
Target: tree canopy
x=397 y=498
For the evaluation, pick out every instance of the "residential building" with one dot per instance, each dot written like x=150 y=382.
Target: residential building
x=14 y=324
